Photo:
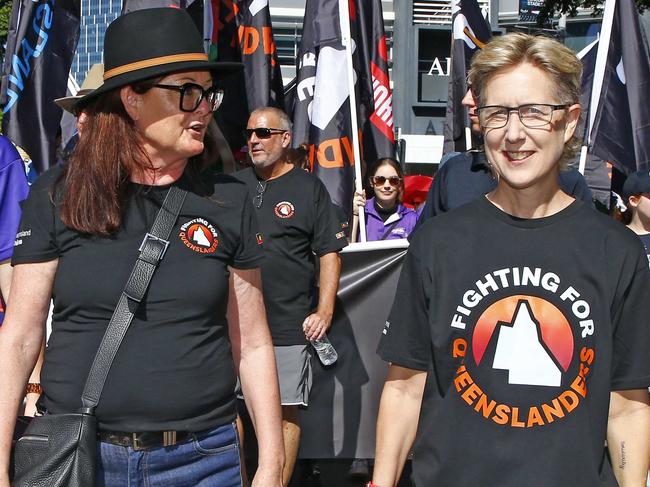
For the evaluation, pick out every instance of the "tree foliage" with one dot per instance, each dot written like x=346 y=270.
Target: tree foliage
x=5 y=16
x=570 y=7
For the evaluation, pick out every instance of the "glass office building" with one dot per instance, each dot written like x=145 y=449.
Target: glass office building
x=95 y=17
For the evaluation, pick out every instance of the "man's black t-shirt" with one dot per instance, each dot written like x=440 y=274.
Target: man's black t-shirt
x=174 y=369
x=297 y=220
x=525 y=326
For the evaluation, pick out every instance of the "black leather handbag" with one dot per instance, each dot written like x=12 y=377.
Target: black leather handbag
x=58 y=450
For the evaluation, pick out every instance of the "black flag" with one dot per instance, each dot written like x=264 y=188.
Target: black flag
x=470 y=33
x=374 y=100
x=596 y=171
x=41 y=43
x=240 y=31
x=620 y=132
x=259 y=55
x=321 y=111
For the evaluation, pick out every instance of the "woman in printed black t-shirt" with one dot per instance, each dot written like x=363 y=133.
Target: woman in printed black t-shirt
x=526 y=310
x=166 y=414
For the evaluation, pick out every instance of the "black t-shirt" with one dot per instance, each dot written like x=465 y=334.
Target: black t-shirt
x=645 y=238
x=297 y=220
x=525 y=326
x=174 y=369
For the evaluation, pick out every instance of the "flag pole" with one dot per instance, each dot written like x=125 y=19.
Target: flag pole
x=582 y=165
x=346 y=37
x=207 y=25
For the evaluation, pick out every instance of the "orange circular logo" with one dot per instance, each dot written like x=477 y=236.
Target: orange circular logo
x=284 y=209
x=199 y=235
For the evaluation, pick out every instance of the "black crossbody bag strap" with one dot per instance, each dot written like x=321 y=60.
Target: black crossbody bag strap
x=152 y=251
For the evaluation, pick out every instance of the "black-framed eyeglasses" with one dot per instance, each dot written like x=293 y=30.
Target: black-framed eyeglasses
x=259 y=197
x=262 y=132
x=192 y=95
x=532 y=115
x=380 y=180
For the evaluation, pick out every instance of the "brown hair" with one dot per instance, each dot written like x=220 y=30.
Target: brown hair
x=558 y=61
x=388 y=161
x=298 y=156
x=94 y=182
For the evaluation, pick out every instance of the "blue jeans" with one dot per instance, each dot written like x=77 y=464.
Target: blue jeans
x=210 y=459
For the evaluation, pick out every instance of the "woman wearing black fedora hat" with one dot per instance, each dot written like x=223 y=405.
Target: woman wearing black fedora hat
x=167 y=408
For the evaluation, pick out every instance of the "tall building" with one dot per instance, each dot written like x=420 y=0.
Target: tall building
x=95 y=17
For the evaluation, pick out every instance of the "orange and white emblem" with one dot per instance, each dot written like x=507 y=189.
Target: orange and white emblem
x=284 y=209
x=199 y=235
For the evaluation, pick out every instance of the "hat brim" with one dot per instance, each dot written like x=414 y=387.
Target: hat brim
x=216 y=68
x=67 y=102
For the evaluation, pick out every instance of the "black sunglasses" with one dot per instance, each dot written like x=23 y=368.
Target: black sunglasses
x=192 y=95
x=380 y=180
x=262 y=132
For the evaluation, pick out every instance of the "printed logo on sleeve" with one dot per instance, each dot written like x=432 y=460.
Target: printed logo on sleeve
x=199 y=235
x=259 y=238
x=20 y=236
x=284 y=209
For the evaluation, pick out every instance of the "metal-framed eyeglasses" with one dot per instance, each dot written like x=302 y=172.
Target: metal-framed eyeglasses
x=259 y=197
x=532 y=115
x=192 y=95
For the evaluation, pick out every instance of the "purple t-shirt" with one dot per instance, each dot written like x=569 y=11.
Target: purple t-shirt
x=13 y=190
x=398 y=225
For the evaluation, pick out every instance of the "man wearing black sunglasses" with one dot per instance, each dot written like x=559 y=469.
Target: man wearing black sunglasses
x=298 y=223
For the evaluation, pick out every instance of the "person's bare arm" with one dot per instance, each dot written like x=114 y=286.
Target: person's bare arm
x=397 y=422
x=318 y=323
x=21 y=336
x=628 y=436
x=5 y=279
x=254 y=358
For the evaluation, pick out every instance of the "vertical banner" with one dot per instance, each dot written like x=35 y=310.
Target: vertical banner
x=259 y=55
x=240 y=31
x=470 y=33
x=41 y=43
x=596 y=172
x=321 y=109
x=375 y=99
x=620 y=132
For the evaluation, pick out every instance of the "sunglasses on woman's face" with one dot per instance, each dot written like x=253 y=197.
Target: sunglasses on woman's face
x=380 y=180
x=262 y=132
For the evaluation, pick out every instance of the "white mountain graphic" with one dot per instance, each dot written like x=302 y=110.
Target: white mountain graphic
x=199 y=237
x=520 y=351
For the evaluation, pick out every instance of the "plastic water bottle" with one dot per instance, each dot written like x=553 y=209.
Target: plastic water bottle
x=326 y=353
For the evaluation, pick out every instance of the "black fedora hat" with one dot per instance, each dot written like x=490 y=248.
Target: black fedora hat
x=149 y=43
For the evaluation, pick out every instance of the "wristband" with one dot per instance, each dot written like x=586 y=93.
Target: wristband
x=33 y=388
x=370 y=484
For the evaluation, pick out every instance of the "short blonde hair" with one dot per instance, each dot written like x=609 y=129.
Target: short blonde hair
x=558 y=61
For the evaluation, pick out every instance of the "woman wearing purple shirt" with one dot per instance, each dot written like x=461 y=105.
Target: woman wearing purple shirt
x=386 y=217
x=13 y=189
